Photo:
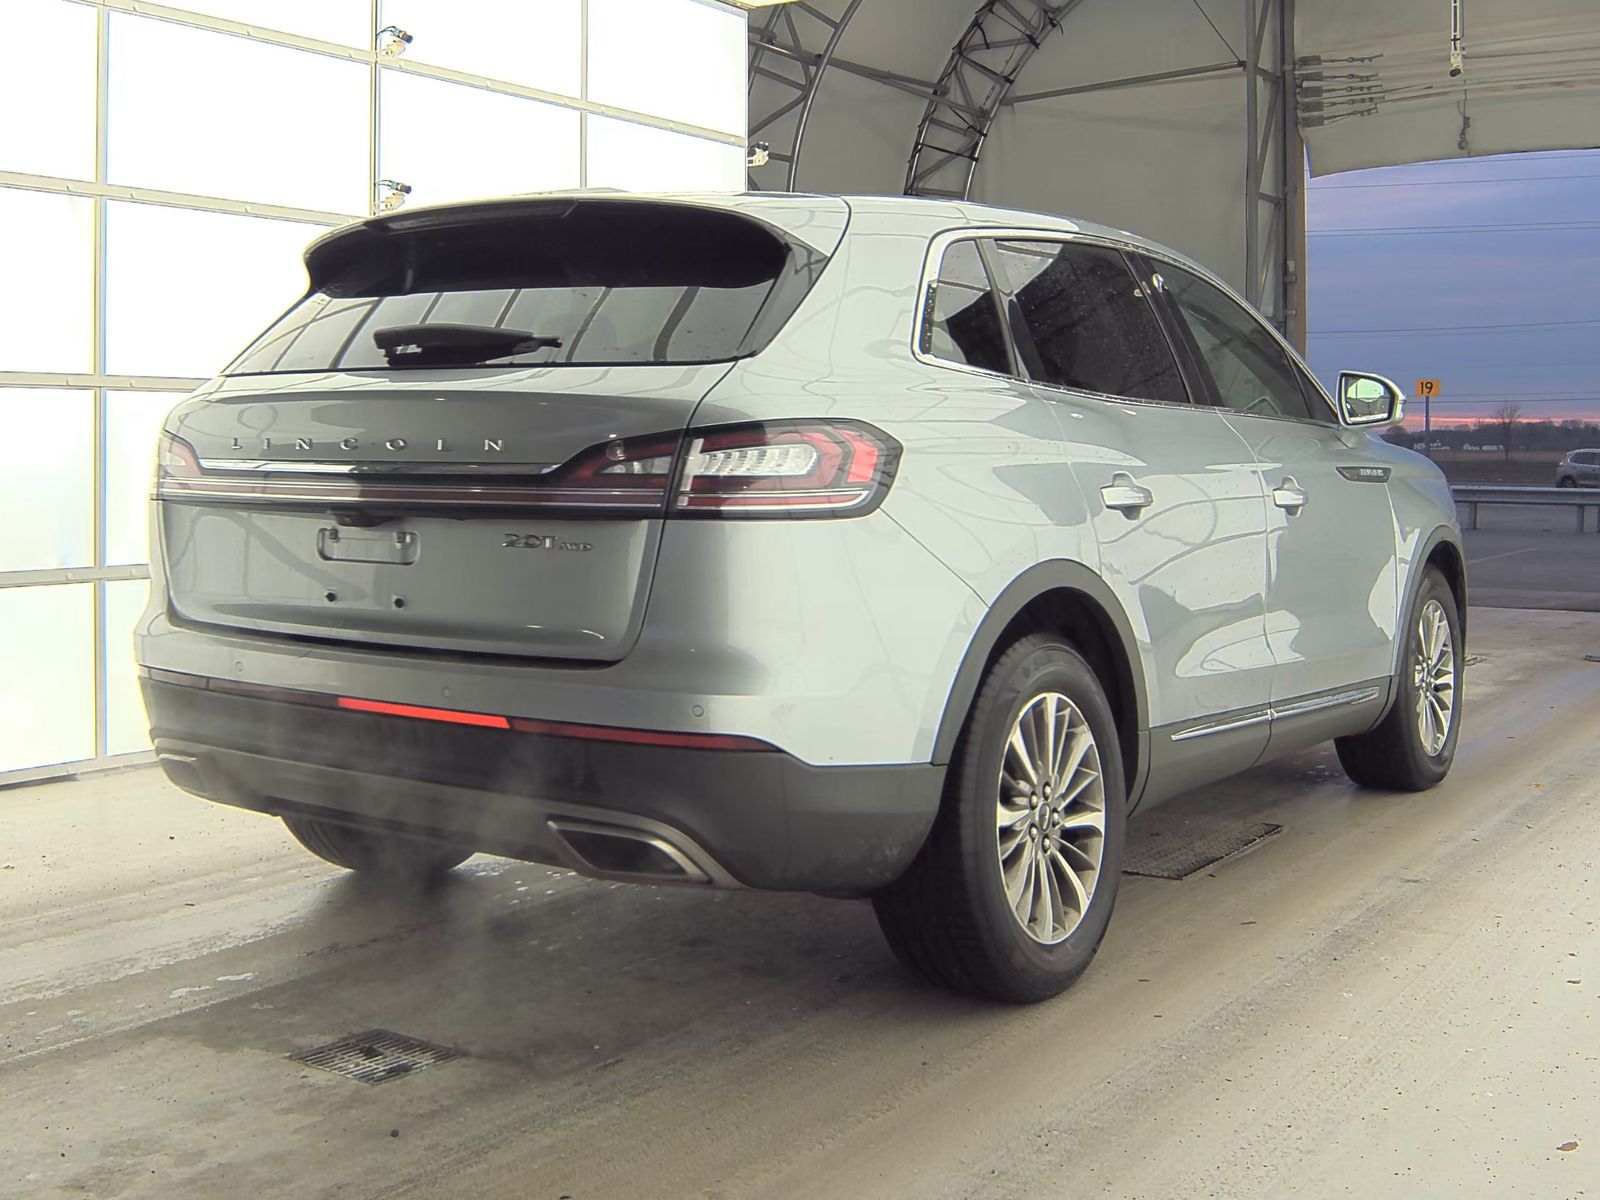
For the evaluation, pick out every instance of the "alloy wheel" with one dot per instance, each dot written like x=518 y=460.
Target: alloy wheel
x=1050 y=818
x=1434 y=675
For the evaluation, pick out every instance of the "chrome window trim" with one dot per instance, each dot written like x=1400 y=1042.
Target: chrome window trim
x=934 y=256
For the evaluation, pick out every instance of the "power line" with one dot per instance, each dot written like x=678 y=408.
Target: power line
x=1418 y=230
x=1520 y=399
x=1527 y=396
x=1343 y=187
x=1586 y=154
x=1504 y=327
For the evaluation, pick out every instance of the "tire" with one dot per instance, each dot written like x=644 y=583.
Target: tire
x=1394 y=756
x=390 y=857
x=1567 y=481
x=949 y=917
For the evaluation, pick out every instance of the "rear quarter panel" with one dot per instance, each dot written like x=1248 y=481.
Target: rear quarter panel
x=985 y=483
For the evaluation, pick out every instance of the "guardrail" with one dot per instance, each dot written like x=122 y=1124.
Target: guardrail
x=1470 y=495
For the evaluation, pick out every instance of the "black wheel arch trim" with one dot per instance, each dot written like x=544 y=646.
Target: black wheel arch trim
x=1442 y=536
x=1037 y=581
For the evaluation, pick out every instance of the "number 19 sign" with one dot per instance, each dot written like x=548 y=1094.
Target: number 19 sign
x=1428 y=387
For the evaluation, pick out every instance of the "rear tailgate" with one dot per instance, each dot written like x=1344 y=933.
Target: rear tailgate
x=461 y=438
x=419 y=515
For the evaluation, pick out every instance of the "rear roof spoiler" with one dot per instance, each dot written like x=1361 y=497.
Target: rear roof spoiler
x=804 y=219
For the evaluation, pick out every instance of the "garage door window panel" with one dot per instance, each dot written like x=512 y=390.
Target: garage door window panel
x=47 y=645
x=639 y=158
x=46 y=480
x=1087 y=323
x=47 y=303
x=52 y=81
x=449 y=141
x=184 y=290
x=217 y=115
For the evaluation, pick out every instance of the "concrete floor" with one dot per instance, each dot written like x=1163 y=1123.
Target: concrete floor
x=1397 y=996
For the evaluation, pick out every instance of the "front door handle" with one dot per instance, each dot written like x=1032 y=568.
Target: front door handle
x=1289 y=496
x=1125 y=496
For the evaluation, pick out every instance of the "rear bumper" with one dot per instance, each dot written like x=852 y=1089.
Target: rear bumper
x=733 y=818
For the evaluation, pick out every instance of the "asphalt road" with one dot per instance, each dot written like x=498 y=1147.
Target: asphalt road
x=1532 y=557
x=1397 y=996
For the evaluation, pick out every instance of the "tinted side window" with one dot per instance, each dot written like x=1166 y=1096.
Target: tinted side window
x=964 y=324
x=1321 y=410
x=1253 y=374
x=1089 y=321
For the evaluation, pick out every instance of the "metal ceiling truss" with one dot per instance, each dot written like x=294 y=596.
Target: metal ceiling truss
x=1273 y=201
x=987 y=60
x=789 y=53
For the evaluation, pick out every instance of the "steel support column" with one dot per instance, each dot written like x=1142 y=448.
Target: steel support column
x=986 y=62
x=789 y=54
x=1273 y=234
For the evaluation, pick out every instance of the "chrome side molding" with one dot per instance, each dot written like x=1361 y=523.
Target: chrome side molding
x=1289 y=708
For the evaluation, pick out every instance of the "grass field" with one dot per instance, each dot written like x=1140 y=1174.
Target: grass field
x=1526 y=468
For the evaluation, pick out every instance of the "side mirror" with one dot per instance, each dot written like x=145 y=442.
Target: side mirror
x=1369 y=401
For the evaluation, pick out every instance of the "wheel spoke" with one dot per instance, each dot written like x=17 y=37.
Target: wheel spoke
x=1051 y=745
x=1089 y=861
x=1016 y=881
x=1010 y=839
x=1017 y=748
x=1008 y=817
x=1066 y=796
x=1082 y=743
x=1441 y=715
x=1050 y=894
x=1087 y=818
x=1079 y=891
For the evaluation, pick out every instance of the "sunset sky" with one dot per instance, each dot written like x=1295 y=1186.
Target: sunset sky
x=1494 y=313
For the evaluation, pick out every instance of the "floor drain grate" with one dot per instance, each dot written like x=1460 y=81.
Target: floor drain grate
x=1172 y=846
x=375 y=1056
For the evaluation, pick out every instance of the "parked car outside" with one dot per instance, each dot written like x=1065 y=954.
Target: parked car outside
x=866 y=546
x=1580 y=468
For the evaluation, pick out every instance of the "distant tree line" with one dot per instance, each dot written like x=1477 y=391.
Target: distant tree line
x=1506 y=431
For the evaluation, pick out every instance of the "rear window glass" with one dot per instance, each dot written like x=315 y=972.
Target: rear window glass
x=587 y=283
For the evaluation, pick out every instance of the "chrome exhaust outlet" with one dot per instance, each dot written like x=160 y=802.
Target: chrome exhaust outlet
x=609 y=851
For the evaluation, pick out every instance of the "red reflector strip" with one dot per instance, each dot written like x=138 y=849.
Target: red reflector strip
x=639 y=737
x=453 y=716
x=449 y=716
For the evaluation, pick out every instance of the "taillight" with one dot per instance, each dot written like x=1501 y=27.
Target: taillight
x=760 y=469
x=175 y=459
x=785 y=469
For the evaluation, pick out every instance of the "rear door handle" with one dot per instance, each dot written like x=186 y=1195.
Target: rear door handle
x=1289 y=496
x=1125 y=496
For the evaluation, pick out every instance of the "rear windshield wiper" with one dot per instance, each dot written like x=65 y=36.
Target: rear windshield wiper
x=455 y=345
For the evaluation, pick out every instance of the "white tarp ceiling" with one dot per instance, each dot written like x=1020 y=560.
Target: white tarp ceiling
x=1376 y=83
x=1376 y=89
x=1168 y=157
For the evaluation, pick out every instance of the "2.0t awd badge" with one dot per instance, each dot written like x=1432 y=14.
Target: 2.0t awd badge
x=539 y=541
